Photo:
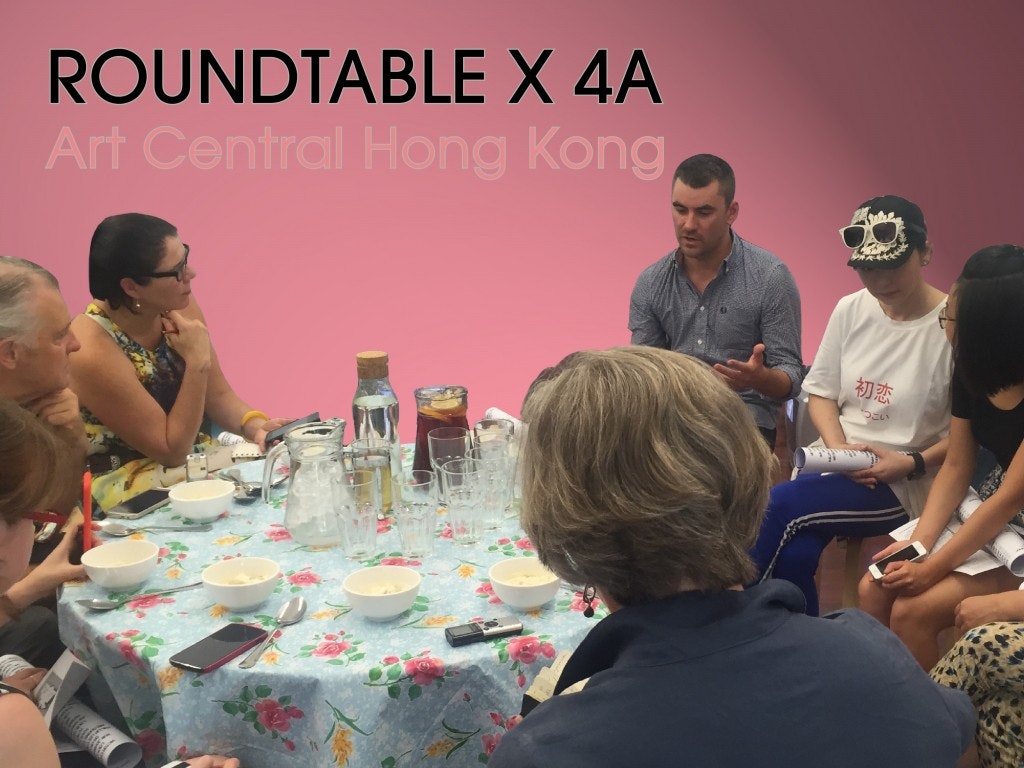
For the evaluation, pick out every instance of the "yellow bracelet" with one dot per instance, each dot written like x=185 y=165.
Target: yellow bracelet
x=249 y=416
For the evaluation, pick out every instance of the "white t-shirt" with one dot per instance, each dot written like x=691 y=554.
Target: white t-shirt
x=891 y=378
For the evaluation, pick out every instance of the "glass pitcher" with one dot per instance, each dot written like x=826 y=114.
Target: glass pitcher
x=316 y=466
x=441 y=406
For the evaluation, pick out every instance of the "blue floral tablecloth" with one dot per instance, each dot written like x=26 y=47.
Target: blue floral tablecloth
x=335 y=689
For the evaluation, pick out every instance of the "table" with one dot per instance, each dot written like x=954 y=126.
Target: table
x=334 y=689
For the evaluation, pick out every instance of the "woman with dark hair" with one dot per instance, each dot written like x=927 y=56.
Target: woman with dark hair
x=147 y=373
x=645 y=477
x=984 y=322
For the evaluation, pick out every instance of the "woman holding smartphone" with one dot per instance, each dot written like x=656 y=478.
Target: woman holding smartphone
x=984 y=322
x=42 y=470
x=147 y=373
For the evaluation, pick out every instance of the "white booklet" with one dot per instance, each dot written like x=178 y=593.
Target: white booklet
x=821 y=459
x=70 y=718
x=1007 y=548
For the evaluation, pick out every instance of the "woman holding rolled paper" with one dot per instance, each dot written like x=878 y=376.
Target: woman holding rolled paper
x=147 y=374
x=879 y=383
x=984 y=322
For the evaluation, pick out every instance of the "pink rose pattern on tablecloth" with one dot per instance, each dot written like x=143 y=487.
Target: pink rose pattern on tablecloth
x=419 y=671
x=335 y=648
x=267 y=715
x=135 y=645
x=523 y=650
x=148 y=731
x=294 y=726
x=302 y=579
x=277 y=532
x=513 y=547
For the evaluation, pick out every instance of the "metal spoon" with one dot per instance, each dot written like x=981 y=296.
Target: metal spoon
x=99 y=604
x=111 y=528
x=290 y=612
x=247 y=488
x=242 y=497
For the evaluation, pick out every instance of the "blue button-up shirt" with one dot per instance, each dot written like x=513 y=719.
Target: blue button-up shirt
x=753 y=299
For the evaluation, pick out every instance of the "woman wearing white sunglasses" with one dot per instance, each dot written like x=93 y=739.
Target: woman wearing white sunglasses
x=879 y=383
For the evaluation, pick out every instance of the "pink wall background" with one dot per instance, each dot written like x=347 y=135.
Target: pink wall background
x=817 y=105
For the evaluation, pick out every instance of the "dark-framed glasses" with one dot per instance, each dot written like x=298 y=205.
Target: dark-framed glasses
x=944 y=317
x=883 y=232
x=178 y=273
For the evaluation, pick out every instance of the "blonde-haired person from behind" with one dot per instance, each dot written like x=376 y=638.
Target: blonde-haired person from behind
x=42 y=469
x=646 y=478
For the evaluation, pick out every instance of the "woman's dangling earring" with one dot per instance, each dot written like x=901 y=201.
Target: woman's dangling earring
x=589 y=593
x=138 y=305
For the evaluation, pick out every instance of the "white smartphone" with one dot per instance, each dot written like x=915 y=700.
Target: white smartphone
x=913 y=551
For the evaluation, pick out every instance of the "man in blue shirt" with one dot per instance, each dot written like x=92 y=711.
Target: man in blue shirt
x=721 y=299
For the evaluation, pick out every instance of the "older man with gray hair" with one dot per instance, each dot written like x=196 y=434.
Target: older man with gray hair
x=35 y=342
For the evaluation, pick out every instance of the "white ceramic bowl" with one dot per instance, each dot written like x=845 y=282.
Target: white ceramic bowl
x=202 y=500
x=241 y=583
x=383 y=592
x=523 y=582
x=121 y=564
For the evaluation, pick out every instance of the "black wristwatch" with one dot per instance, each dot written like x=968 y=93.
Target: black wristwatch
x=919 y=469
x=5 y=689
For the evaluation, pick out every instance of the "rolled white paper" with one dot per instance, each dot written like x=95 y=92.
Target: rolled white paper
x=1007 y=546
x=813 y=459
x=497 y=413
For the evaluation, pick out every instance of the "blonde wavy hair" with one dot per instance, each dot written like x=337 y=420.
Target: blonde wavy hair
x=642 y=472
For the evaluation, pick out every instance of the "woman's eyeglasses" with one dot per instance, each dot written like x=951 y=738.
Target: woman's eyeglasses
x=178 y=273
x=47 y=517
x=883 y=232
x=945 y=318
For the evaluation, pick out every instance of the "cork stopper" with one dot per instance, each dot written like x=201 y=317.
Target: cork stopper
x=372 y=365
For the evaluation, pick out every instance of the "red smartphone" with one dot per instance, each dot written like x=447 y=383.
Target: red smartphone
x=219 y=648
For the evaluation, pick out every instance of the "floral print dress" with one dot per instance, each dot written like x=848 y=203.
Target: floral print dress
x=988 y=665
x=160 y=371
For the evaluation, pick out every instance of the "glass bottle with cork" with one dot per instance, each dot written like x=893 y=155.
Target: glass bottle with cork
x=375 y=415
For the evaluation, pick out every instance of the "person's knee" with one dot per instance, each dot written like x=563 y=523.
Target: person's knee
x=914 y=615
x=873 y=599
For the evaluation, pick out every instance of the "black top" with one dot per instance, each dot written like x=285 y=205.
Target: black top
x=999 y=431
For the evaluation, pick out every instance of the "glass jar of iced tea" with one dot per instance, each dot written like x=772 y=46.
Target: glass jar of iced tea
x=439 y=406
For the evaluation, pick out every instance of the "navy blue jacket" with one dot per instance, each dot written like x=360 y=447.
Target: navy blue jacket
x=742 y=679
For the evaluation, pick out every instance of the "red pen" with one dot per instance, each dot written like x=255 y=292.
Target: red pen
x=87 y=511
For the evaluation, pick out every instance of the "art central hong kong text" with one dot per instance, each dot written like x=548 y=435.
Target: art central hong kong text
x=373 y=148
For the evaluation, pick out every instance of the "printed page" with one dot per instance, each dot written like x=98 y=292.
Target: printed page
x=979 y=562
x=1007 y=546
x=543 y=686
x=812 y=459
x=9 y=664
x=99 y=738
x=59 y=685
